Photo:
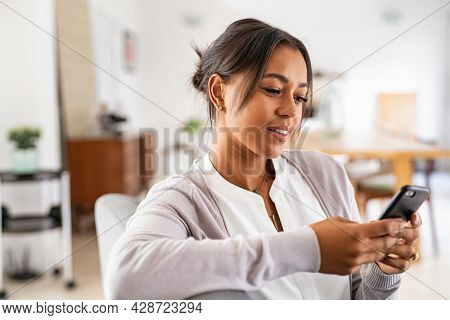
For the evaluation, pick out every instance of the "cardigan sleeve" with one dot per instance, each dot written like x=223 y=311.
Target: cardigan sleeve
x=370 y=282
x=158 y=258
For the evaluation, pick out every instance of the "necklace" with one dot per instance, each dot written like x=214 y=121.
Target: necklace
x=258 y=190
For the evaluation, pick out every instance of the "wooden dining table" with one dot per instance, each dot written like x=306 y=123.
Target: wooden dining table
x=356 y=145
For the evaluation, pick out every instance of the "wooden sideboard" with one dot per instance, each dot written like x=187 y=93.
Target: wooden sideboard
x=107 y=164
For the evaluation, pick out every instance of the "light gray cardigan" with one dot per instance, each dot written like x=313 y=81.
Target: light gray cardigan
x=177 y=245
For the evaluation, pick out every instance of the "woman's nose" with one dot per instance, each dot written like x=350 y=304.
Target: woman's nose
x=288 y=108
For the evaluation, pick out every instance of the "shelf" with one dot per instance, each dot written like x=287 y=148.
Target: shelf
x=34 y=223
x=10 y=176
x=29 y=224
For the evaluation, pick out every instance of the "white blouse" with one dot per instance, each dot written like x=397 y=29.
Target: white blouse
x=245 y=214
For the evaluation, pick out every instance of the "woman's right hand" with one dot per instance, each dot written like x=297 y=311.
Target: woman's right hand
x=346 y=245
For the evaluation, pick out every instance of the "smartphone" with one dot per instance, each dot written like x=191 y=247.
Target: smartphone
x=405 y=202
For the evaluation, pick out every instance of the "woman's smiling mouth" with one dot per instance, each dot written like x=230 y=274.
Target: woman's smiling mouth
x=281 y=133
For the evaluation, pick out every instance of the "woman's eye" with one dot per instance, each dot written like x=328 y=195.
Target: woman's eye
x=272 y=91
x=300 y=99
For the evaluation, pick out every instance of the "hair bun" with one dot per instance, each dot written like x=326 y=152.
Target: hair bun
x=197 y=79
x=199 y=75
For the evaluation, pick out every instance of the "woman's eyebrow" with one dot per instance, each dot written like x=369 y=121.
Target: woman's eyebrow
x=282 y=78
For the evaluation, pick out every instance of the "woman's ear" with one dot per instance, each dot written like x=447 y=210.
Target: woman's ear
x=216 y=88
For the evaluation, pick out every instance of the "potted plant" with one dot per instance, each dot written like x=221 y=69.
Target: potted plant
x=25 y=156
x=192 y=126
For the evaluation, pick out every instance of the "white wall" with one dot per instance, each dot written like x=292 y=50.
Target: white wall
x=164 y=61
x=446 y=118
x=109 y=19
x=169 y=61
x=28 y=78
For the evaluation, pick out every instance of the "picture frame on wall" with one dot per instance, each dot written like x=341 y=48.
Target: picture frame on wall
x=129 y=50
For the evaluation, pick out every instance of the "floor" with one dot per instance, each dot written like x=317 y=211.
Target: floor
x=428 y=278
x=86 y=267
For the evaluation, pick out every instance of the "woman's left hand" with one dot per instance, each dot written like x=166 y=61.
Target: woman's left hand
x=405 y=251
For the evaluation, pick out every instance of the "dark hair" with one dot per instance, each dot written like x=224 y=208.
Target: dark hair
x=245 y=46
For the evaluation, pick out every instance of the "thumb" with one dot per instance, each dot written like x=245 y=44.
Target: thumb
x=416 y=221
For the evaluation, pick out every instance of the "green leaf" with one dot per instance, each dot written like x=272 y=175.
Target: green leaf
x=24 y=137
x=192 y=125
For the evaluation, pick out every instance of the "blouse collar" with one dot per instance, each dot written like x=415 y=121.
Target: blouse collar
x=230 y=190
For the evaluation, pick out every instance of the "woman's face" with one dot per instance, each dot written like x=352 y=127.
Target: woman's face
x=266 y=122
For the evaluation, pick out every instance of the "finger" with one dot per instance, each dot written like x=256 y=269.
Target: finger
x=373 y=257
x=381 y=244
x=410 y=235
x=398 y=263
x=383 y=227
x=416 y=220
x=402 y=251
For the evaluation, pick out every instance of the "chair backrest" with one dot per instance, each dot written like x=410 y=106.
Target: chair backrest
x=112 y=212
x=175 y=158
x=111 y=215
x=397 y=114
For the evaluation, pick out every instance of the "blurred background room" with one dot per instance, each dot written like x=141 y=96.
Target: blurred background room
x=96 y=102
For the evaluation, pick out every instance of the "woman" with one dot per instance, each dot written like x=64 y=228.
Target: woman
x=249 y=215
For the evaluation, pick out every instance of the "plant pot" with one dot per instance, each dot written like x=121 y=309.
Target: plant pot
x=24 y=161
